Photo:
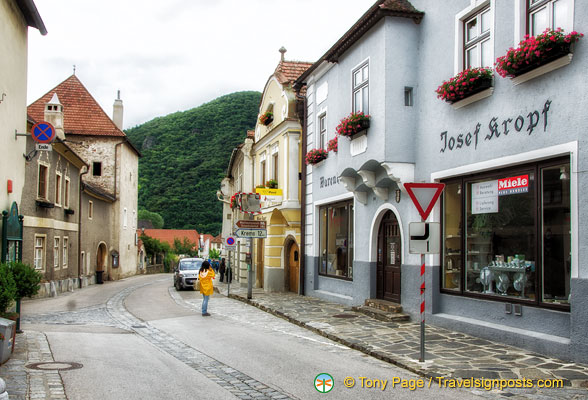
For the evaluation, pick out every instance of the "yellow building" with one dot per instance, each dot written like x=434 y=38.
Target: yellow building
x=277 y=165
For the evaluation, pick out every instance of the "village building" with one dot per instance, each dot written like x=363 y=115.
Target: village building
x=16 y=17
x=108 y=208
x=511 y=157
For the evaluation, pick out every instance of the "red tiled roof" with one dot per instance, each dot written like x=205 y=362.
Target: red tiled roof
x=82 y=115
x=168 y=235
x=402 y=6
x=288 y=71
x=217 y=239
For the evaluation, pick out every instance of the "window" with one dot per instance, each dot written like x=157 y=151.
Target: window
x=276 y=166
x=42 y=182
x=66 y=193
x=361 y=89
x=40 y=252
x=552 y=14
x=58 y=189
x=65 y=257
x=408 y=101
x=336 y=240
x=90 y=209
x=477 y=45
x=83 y=260
x=262 y=168
x=322 y=131
x=507 y=235
x=56 y=250
x=97 y=168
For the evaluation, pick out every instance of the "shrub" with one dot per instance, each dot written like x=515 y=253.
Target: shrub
x=7 y=288
x=26 y=278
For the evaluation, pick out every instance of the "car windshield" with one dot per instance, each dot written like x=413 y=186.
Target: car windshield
x=190 y=265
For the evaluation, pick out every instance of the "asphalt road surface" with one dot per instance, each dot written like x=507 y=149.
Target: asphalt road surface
x=141 y=339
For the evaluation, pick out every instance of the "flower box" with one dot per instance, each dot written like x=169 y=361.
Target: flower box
x=315 y=156
x=266 y=118
x=465 y=84
x=271 y=184
x=536 y=51
x=333 y=144
x=354 y=124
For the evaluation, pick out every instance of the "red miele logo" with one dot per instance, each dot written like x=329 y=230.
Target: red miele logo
x=515 y=184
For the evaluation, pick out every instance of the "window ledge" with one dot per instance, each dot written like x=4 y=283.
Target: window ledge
x=544 y=69
x=472 y=99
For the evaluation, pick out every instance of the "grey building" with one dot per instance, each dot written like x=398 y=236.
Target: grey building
x=510 y=151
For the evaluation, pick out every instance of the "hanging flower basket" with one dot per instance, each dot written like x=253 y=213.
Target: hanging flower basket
x=468 y=82
x=266 y=118
x=271 y=184
x=333 y=144
x=535 y=51
x=315 y=156
x=353 y=124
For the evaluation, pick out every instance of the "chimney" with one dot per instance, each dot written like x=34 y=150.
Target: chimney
x=283 y=52
x=54 y=115
x=117 y=112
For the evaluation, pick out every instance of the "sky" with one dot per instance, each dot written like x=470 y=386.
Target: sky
x=173 y=55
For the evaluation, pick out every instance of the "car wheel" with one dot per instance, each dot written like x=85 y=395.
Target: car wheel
x=177 y=285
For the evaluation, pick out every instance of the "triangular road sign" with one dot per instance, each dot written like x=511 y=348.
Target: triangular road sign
x=424 y=196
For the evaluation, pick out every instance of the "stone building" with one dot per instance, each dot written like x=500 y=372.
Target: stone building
x=16 y=17
x=109 y=184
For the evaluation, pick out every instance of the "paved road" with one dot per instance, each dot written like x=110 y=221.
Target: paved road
x=140 y=339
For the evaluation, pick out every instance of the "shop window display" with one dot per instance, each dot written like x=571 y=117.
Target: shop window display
x=507 y=234
x=336 y=240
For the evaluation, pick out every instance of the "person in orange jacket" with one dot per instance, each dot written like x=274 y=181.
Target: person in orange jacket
x=206 y=275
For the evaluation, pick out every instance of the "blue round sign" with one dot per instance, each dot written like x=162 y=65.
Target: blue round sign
x=231 y=241
x=43 y=132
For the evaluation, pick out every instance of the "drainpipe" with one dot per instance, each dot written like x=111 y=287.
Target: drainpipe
x=303 y=116
x=80 y=266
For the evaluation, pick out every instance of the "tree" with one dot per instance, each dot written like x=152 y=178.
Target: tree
x=185 y=247
x=155 y=218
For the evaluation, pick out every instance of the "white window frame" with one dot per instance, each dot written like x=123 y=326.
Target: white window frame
x=46 y=188
x=521 y=20
x=66 y=193
x=481 y=38
x=65 y=254
x=40 y=252
x=262 y=168
x=322 y=130
x=276 y=162
x=58 y=184
x=365 y=64
x=90 y=209
x=475 y=7
x=56 y=251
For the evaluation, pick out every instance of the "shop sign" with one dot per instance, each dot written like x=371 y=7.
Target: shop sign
x=514 y=185
x=497 y=127
x=330 y=181
x=485 y=197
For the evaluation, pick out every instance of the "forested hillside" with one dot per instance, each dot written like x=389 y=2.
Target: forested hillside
x=185 y=156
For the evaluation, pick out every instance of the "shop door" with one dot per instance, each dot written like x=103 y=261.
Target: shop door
x=389 y=259
x=294 y=267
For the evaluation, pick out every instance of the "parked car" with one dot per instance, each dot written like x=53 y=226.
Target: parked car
x=187 y=272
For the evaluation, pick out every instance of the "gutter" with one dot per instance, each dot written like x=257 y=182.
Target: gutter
x=303 y=116
x=80 y=190
x=31 y=15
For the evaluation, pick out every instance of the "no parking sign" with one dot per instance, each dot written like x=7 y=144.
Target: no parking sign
x=230 y=243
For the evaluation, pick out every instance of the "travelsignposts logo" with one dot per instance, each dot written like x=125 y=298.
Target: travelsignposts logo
x=324 y=383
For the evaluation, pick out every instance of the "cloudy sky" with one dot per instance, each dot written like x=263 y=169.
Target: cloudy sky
x=173 y=55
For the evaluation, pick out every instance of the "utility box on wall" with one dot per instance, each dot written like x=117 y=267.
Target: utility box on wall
x=7 y=329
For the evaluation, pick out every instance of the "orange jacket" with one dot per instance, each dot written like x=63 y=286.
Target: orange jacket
x=206 y=278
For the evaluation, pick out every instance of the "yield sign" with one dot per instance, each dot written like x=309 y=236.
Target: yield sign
x=424 y=196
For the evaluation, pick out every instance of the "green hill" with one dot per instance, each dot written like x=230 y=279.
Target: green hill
x=185 y=156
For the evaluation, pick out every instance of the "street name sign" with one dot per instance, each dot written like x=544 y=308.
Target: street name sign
x=247 y=224
x=251 y=233
x=424 y=237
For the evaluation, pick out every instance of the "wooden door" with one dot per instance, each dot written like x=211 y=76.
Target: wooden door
x=389 y=259
x=294 y=267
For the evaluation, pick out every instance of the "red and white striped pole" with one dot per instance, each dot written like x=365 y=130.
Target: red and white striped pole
x=422 y=357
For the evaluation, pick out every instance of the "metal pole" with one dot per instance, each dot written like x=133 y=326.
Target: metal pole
x=422 y=357
x=250 y=266
x=228 y=271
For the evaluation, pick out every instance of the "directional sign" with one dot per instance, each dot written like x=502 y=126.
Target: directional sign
x=424 y=237
x=251 y=224
x=424 y=196
x=251 y=233
x=230 y=243
x=43 y=132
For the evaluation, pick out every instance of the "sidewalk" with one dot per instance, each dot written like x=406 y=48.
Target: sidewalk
x=448 y=353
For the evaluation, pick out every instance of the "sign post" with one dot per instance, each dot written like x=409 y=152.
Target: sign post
x=424 y=196
x=230 y=245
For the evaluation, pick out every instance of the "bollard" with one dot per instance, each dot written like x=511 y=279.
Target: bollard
x=3 y=392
